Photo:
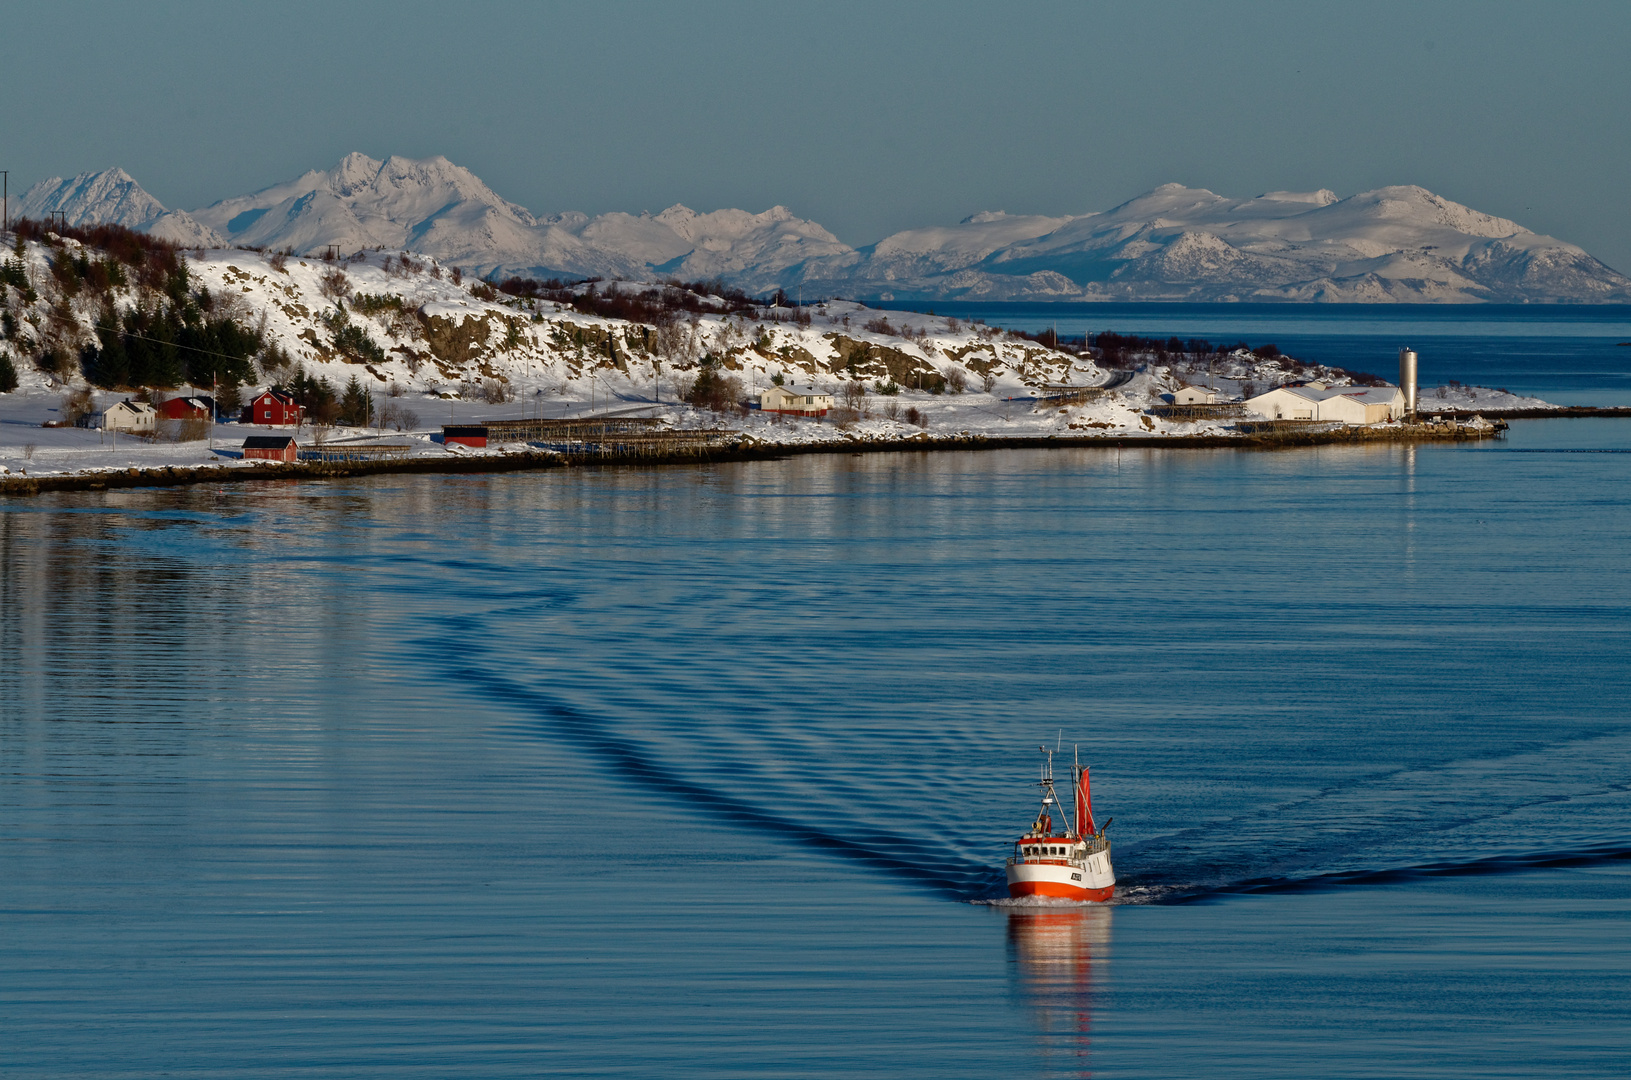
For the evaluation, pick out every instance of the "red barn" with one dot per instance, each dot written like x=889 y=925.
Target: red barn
x=271 y=448
x=273 y=408
x=184 y=408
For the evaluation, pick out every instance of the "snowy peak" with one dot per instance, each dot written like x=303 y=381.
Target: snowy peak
x=368 y=203
x=112 y=197
x=1419 y=207
x=354 y=172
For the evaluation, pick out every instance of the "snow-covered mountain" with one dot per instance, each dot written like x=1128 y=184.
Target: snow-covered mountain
x=112 y=197
x=1178 y=243
x=439 y=208
x=1401 y=244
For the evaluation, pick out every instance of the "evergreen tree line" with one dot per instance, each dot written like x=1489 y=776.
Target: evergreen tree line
x=323 y=405
x=168 y=343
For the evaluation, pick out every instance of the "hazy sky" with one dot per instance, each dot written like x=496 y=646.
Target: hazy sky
x=865 y=117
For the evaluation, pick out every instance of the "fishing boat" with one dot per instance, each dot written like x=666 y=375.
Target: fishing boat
x=1069 y=860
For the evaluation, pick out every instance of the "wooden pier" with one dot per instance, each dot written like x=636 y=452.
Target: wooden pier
x=600 y=437
x=369 y=451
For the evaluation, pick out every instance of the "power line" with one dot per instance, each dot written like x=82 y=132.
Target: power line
x=144 y=337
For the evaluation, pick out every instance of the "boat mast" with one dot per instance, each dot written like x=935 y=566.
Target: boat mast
x=1050 y=796
x=1075 y=785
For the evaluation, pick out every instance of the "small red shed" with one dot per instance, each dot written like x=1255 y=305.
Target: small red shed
x=272 y=448
x=465 y=434
x=273 y=408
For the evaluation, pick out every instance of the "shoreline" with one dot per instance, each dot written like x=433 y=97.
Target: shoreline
x=23 y=485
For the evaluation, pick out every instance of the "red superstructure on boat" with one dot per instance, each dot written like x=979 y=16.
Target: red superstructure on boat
x=1069 y=861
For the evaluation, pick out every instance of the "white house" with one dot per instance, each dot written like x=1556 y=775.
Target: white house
x=795 y=401
x=129 y=415
x=1342 y=404
x=1196 y=395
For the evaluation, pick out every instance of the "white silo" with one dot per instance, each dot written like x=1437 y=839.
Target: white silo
x=1407 y=380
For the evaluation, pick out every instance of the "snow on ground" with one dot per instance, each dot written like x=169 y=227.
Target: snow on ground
x=444 y=351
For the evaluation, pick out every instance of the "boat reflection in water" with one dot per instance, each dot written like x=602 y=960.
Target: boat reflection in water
x=1055 y=949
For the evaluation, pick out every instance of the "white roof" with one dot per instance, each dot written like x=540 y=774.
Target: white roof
x=799 y=391
x=1370 y=395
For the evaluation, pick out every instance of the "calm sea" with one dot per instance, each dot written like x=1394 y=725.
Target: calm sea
x=1570 y=355
x=705 y=771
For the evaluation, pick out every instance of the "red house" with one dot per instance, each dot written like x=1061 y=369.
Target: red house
x=271 y=448
x=184 y=408
x=273 y=408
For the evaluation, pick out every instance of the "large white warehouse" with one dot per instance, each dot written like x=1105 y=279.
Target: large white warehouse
x=1344 y=404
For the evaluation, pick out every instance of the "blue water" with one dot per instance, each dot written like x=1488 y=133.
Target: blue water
x=706 y=771
x=1569 y=355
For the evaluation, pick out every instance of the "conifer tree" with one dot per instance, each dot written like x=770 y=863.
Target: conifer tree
x=356 y=408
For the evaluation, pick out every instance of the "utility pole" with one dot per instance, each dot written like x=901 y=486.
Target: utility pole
x=5 y=200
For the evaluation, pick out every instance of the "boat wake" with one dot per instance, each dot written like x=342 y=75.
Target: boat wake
x=825 y=780
x=1522 y=863
x=902 y=855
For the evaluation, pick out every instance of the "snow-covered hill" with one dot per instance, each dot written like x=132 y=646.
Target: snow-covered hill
x=1402 y=244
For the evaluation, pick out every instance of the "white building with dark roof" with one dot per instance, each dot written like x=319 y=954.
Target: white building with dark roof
x=127 y=415
x=795 y=400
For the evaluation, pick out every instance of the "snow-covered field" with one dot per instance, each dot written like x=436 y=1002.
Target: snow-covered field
x=448 y=355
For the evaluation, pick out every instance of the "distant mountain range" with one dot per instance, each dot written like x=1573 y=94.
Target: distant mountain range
x=1398 y=244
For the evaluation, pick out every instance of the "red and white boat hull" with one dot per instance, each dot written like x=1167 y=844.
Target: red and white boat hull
x=1087 y=879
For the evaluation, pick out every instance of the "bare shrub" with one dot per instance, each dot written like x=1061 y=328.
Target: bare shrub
x=953 y=326
x=497 y=392
x=880 y=325
x=336 y=285
x=394 y=390
x=956 y=381
x=77 y=404
x=404 y=322
x=458 y=276
x=854 y=393
x=988 y=381
x=394 y=414
x=28 y=450
x=915 y=416
x=279 y=261
x=844 y=416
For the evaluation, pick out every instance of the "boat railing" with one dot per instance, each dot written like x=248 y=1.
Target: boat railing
x=1094 y=845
